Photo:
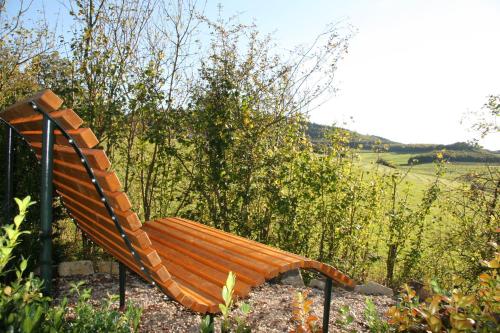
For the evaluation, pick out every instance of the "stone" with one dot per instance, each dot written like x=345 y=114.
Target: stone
x=292 y=278
x=317 y=284
x=373 y=288
x=108 y=267
x=82 y=267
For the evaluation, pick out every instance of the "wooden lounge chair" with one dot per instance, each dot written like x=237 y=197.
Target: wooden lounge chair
x=187 y=260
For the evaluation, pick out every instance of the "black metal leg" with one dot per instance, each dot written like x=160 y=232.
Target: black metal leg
x=122 y=277
x=326 y=306
x=46 y=205
x=9 y=168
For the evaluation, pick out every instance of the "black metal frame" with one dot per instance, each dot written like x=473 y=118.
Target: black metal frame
x=9 y=186
x=49 y=124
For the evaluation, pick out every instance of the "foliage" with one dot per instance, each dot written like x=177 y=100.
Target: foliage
x=88 y=318
x=344 y=318
x=455 y=311
x=230 y=321
x=386 y=163
x=456 y=156
x=373 y=320
x=304 y=321
x=22 y=306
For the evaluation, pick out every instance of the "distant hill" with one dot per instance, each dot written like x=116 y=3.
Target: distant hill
x=317 y=134
x=426 y=153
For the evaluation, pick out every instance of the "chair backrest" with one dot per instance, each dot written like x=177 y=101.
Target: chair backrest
x=79 y=191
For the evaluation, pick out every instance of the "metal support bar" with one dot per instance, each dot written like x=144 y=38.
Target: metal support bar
x=46 y=204
x=326 y=306
x=122 y=276
x=9 y=179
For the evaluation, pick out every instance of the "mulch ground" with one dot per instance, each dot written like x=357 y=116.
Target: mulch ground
x=271 y=305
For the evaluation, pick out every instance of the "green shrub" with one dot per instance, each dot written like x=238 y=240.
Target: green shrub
x=455 y=311
x=23 y=308
x=105 y=318
x=386 y=163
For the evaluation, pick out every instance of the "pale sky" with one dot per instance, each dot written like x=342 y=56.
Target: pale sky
x=415 y=68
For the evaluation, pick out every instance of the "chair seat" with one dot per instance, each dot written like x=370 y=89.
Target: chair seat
x=199 y=258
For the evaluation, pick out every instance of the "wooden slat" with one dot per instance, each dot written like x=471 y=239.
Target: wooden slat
x=46 y=99
x=242 y=243
x=97 y=158
x=245 y=274
x=107 y=180
x=109 y=238
x=193 y=243
x=207 y=272
x=206 y=289
x=118 y=200
x=83 y=137
x=240 y=249
x=230 y=237
x=158 y=273
x=66 y=118
x=127 y=219
x=138 y=237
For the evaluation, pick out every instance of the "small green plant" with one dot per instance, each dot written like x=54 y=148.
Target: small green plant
x=373 y=320
x=344 y=319
x=9 y=237
x=105 y=318
x=230 y=321
x=207 y=325
x=304 y=320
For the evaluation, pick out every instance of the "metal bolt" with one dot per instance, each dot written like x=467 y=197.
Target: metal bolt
x=93 y=180
x=70 y=141
x=83 y=161
x=103 y=199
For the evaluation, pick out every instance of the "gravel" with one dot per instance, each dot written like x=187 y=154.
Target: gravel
x=271 y=305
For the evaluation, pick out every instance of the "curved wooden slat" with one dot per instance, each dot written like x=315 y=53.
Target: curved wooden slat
x=46 y=99
x=84 y=137
x=67 y=118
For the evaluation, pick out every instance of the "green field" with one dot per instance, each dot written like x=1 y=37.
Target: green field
x=420 y=175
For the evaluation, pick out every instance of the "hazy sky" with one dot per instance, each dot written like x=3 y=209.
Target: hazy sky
x=414 y=69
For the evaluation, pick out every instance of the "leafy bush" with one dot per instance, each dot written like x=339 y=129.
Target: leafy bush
x=455 y=311
x=106 y=318
x=386 y=163
x=23 y=308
